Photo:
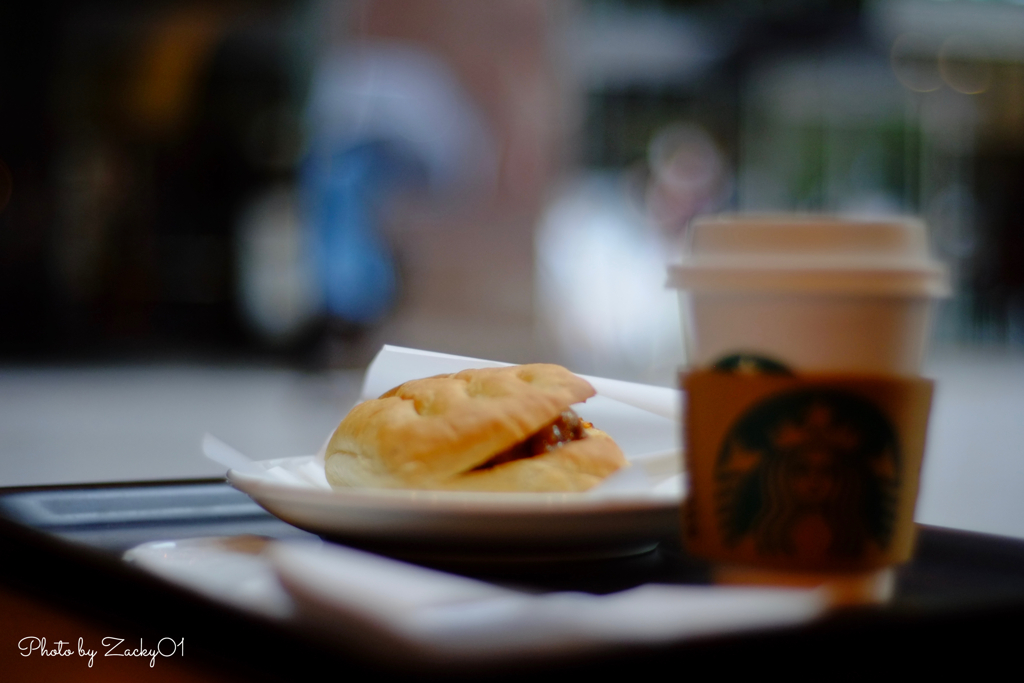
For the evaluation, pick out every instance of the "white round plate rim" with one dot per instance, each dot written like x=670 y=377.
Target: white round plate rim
x=524 y=503
x=438 y=513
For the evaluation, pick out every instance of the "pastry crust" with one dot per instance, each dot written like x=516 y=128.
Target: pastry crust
x=431 y=433
x=576 y=466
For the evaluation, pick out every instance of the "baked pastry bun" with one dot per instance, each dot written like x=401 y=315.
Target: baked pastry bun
x=490 y=429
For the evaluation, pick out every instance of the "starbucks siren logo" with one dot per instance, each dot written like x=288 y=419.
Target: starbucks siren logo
x=750 y=364
x=810 y=473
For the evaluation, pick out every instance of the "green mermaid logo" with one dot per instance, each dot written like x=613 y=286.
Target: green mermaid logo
x=809 y=473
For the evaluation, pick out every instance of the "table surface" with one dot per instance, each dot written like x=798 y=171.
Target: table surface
x=962 y=595
x=962 y=589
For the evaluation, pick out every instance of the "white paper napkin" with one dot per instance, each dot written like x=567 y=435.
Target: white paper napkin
x=429 y=615
x=394 y=365
x=403 y=614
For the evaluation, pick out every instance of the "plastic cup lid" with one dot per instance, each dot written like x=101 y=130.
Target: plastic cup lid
x=811 y=254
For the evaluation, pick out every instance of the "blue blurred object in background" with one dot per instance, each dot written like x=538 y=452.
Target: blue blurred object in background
x=345 y=195
x=385 y=118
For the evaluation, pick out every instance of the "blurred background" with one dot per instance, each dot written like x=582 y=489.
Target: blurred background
x=212 y=214
x=296 y=182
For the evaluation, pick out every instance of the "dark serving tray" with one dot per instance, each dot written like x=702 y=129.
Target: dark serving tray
x=960 y=599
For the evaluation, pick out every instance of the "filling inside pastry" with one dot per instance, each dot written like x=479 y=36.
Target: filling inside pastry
x=568 y=427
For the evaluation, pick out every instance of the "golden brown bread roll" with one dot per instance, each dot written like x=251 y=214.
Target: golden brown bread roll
x=492 y=429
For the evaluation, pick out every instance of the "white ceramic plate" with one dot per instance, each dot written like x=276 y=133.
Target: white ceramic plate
x=627 y=516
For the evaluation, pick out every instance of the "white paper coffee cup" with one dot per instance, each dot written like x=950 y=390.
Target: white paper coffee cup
x=815 y=293
x=845 y=305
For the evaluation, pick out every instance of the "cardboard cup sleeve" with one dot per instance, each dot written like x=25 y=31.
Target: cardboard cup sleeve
x=809 y=472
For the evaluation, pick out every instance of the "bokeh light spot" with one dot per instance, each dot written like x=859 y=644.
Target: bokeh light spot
x=964 y=67
x=914 y=61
